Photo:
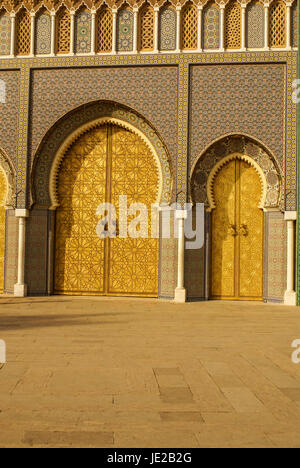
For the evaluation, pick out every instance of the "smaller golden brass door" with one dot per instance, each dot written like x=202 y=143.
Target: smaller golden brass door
x=237 y=234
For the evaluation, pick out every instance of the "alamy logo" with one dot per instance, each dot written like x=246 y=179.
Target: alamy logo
x=137 y=221
x=296 y=353
x=2 y=92
x=2 y=352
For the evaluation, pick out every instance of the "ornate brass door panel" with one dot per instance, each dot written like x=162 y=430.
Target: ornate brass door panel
x=251 y=222
x=237 y=234
x=223 y=239
x=79 y=263
x=103 y=164
x=133 y=263
x=3 y=192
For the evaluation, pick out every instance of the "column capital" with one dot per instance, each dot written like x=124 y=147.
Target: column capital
x=52 y=13
x=12 y=14
x=178 y=7
x=114 y=11
x=290 y=215
x=32 y=14
x=21 y=213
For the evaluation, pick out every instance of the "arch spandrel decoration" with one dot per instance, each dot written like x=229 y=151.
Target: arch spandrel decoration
x=67 y=126
x=222 y=151
x=7 y=169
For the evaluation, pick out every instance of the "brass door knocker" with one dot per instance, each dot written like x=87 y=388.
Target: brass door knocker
x=244 y=230
x=232 y=230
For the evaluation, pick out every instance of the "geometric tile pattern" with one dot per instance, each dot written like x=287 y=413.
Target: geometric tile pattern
x=43 y=33
x=9 y=114
x=275 y=256
x=125 y=30
x=168 y=260
x=167 y=29
x=255 y=26
x=183 y=62
x=22 y=149
x=4 y=34
x=211 y=27
x=56 y=92
x=11 y=251
x=195 y=269
x=83 y=31
x=36 y=252
x=243 y=108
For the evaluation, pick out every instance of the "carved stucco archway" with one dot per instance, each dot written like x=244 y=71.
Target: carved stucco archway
x=81 y=131
x=70 y=127
x=217 y=168
x=242 y=147
x=8 y=170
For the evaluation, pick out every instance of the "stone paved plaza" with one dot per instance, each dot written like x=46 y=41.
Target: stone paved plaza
x=105 y=372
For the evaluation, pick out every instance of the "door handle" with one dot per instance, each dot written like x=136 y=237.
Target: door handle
x=244 y=230
x=232 y=230
x=106 y=231
x=117 y=231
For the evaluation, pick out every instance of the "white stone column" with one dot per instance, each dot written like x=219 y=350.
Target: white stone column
x=222 y=24
x=156 y=29
x=20 y=289
x=288 y=25
x=72 y=32
x=114 y=31
x=178 y=29
x=12 y=33
x=135 y=30
x=243 y=26
x=180 y=291
x=290 y=297
x=93 y=32
x=52 y=33
x=32 y=34
x=266 y=7
x=200 y=10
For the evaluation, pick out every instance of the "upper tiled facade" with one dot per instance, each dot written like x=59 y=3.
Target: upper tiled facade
x=50 y=27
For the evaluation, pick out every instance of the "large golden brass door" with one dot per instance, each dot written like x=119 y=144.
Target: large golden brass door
x=101 y=165
x=237 y=234
x=3 y=192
